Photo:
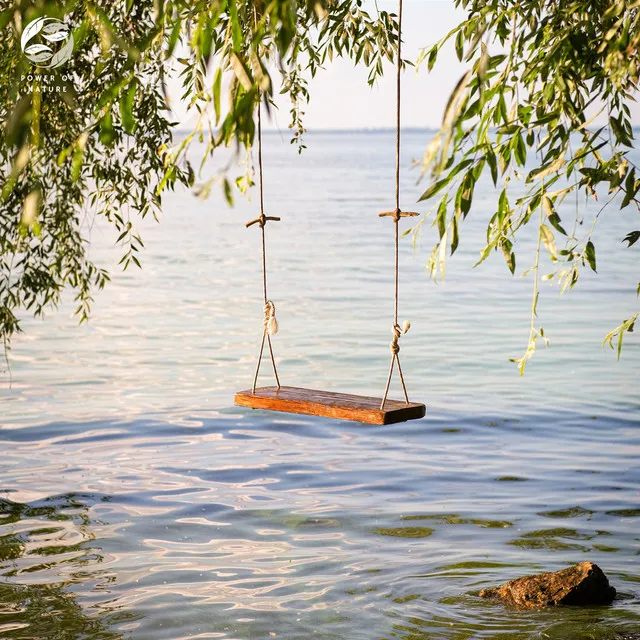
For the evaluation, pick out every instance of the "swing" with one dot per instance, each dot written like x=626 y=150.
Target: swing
x=330 y=404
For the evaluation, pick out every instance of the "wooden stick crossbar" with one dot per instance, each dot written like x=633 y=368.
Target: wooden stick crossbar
x=396 y=215
x=261 y=220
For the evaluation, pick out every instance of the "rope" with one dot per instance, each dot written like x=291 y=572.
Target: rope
x=398 y=86
x=270 y=324
x=396 y=215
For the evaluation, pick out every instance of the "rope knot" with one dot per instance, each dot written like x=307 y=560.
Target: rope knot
x=270 y=322
x=398 y=331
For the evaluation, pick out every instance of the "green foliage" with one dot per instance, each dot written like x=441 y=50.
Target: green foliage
x=520 y=114
x=101 y=144
x=626 y=326
x=76 y=153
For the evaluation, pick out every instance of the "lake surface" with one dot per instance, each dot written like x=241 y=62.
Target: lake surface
x=137 y=502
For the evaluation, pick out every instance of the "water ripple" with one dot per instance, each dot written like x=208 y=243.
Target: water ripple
x=136 y=502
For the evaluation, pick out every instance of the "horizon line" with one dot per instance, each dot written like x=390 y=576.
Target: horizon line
x=384 y=129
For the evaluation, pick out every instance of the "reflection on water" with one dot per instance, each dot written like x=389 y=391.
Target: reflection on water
x=246 y=525
x=136 y=503
x=44 y=551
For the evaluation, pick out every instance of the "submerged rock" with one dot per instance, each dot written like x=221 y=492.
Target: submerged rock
x=582 y=584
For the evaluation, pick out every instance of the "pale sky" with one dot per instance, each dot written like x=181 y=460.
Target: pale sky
x=342 y=99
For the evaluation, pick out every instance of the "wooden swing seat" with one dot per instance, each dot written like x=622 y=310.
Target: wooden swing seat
x=328 y=404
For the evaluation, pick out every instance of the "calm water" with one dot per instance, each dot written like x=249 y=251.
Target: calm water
x=137 y=502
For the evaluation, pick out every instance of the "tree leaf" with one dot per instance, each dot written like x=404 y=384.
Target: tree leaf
x=30 y=209
x=433 y=54
x=434 y=189
x=127 y=102
x=619 y=132
x=547 y=169
x=590 y=253
x=452 y=109
x=174 y=37
x=460 y=45
x=509 y=256
x=630 y=188
x=236 y=27
x=241 y=72
x=441 y=217
x=627 y=326
x=549 y=241
x=520 y=150
x=228 y=194
x=455 y=238
x=493 y=165
x=217 y=91
x=552 y=216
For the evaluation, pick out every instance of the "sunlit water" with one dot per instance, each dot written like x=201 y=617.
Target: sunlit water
x=137 y=502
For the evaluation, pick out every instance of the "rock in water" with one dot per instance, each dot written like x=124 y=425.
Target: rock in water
x=583 y=584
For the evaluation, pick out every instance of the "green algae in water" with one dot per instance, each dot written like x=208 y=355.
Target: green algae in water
x=559 y=532
x=355 y=592
x=606 y=549
x=477 y=565
x=409 y=598
x=550 y=544
x=624 y=513
x=454 y=518
x=289 y=520
x=570 y=512
x=404 y=532
x=548 y=539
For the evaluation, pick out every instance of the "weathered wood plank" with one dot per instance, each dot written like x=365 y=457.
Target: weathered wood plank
x=341 y=406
